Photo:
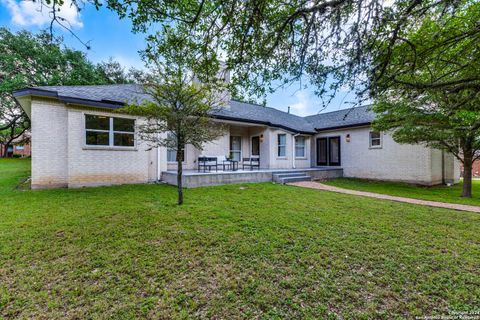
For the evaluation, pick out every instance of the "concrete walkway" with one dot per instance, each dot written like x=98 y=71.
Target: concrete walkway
x=321 y=186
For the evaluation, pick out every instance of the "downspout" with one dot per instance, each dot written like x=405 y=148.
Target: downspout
x=443 y=167
x=293 y=149
x=159 y=172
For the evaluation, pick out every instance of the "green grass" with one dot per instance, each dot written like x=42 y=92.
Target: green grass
x=253 y=251
x=436 y=193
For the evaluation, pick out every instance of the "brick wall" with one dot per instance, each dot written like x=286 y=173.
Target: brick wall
x=475 y=169
x=60 y=157
x=393 y=161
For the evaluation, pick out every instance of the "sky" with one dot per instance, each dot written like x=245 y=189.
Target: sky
x=110 y=36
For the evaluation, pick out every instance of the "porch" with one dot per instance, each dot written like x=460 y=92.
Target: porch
x=194 y=179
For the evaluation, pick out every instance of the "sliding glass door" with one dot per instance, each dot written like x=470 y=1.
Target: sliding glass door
x=328 y=151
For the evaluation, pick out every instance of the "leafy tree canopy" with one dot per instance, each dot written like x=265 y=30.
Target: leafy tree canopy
x=273 y=42
x=29 y=59
x=430 y=91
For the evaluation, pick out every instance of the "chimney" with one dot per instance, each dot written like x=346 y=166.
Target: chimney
x=288 y=109
x=224 y=76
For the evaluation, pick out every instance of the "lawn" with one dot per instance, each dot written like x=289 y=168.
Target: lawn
x=436 y=193
x=231 y=252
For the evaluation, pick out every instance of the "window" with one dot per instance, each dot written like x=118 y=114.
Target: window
x=300 y=147
x=20 y=147
x=375 y=139
x=282 y=145
x=235 y=148
x=172 y=151
x=108 y=131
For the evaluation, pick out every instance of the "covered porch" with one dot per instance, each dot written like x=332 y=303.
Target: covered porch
x=194 y=178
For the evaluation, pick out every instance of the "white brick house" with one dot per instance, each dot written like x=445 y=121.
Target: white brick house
x=78 y=140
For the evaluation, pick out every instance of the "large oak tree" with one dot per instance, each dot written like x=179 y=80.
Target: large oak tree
x=430 y=90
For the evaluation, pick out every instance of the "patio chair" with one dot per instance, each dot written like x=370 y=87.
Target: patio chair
x=252 y=162
x=207 y=163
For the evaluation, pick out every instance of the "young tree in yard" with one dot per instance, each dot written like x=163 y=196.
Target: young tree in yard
x=430 y=91
x=178 y=112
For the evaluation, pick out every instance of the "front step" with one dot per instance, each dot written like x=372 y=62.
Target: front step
x=286 y=177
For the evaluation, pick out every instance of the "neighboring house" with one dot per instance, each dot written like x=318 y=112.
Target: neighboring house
x=475 y=169
x=78 y=139
x=20 y=147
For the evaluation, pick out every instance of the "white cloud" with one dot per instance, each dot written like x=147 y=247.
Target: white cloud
x=303 y=104
x=28 y=13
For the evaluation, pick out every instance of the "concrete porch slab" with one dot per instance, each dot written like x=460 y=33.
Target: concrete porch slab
x=195 y=179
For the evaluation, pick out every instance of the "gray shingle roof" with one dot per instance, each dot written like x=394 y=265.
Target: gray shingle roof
x=342 y=118
x=113 y=96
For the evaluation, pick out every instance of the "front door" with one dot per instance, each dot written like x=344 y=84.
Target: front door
x=256 y=146
x=328 y=151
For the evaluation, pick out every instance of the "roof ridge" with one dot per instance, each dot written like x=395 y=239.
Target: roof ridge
x=324 y=113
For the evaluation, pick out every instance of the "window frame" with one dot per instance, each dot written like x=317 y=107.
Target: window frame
x=111 y=133
x=370 y=140
x=303 y=146
x=239 y=151
x=279 y=146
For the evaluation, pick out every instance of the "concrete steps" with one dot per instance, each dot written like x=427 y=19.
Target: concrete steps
x=293 y=176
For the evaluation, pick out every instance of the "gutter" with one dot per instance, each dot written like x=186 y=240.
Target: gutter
x=362 y=124
x=68 y=100
x=266 y=123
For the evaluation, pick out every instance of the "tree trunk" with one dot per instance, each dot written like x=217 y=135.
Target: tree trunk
x=467 y=176
x=4 y=153
x=180 y=175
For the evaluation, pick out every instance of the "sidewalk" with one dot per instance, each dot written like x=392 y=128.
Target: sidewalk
x=321 y=186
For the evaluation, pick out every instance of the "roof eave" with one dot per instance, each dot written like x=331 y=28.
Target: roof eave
x=66 y=99
x=266 y=123
x=362 y=124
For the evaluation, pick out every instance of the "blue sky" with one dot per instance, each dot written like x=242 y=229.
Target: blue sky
x=111 y=37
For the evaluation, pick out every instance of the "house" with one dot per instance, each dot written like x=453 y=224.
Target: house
x=80 y=139
x=475 y=169
x=20 y=147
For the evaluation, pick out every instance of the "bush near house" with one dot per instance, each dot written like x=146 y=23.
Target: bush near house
x=230 y=252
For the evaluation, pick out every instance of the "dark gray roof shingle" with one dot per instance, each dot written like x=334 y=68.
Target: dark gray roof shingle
x=342 y=118
x=113 y=96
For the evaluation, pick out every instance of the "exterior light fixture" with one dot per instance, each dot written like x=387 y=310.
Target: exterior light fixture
x=347 y=137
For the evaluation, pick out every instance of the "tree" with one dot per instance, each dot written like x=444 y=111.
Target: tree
x=33 y=60
x=429 y=92
x=114 y=72
x=272 y=43
x=179 y=112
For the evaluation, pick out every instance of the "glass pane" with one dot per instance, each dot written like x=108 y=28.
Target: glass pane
x=171 y=155
x=97 y=138
x=97 y=122
x=282 y=139
x=255 y=146
x=235 y=155
x=122 y=124
x=322 y=151
x=375 y=135
x=281 y=151
x=300 y=141
x=299 y=151
x=235 y=143
x=334 y=150
x=123 y=140
x=375 y=142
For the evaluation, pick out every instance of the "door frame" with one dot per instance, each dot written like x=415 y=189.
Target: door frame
x=327 y=151
x=318 y=152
